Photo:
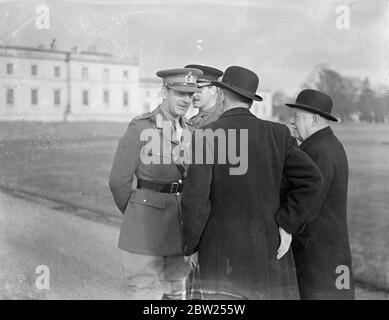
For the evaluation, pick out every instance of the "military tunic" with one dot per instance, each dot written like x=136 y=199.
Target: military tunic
x=151 y=222
x=204 y=117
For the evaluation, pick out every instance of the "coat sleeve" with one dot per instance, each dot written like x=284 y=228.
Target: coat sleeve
x=304 y=185
x=195 y=202
x=325 y=165
x=124 y=166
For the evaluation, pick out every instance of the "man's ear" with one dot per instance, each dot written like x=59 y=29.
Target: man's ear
x=315 y=120
x=219 y=98
x=213 y=90
x=220 y=94
x=164 y=92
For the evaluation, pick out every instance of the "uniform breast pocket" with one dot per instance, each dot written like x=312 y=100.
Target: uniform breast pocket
x=149 y=200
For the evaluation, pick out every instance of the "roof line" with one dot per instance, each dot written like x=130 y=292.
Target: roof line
x=33 y=49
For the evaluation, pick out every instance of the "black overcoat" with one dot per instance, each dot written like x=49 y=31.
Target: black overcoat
x=233 y=219
x=322 y=250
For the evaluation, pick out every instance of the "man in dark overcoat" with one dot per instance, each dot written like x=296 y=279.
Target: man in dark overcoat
x=322 y=251
x=231 y=210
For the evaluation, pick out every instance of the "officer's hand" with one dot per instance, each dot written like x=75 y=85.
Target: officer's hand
x=286 y=240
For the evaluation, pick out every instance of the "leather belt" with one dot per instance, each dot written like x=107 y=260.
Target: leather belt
x=175 y=187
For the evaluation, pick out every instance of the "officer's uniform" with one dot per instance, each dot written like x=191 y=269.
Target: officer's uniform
x=204 y=117
x=150 y=235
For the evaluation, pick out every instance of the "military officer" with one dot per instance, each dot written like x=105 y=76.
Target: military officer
x=208 y=100
x=150 y=235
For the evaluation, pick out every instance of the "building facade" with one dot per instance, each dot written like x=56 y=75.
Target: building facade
x=51 y=85
x=33 y=84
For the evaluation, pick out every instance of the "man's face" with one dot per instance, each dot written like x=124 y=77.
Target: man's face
x=178 y=102
x=203 y=98
x=301 y=123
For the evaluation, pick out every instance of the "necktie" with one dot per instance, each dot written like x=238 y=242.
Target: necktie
x=177 y=129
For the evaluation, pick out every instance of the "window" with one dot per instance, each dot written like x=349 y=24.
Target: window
x=10 y=96
x=106 y=97
x=125 y=74
x=85 y=97
x=34 y=96
x=34 y=70
x=106 y=74
x=10 y=68
x=57 y=72
x=85 y=73
x=125 y=99
x=57 y=97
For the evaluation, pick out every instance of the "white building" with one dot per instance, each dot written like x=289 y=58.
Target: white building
x=103 y=88
x=52 y=85
x=150 y=93
x=33 y=84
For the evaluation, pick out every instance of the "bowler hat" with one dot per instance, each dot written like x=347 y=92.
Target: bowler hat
x=314 y=101
x=241 y=81
x=183 y=79
x=209 y=74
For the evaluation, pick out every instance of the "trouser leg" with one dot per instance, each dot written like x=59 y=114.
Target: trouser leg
x=141 y=276
x=175 y=274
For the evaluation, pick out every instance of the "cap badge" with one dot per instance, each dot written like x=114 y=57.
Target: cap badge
x=189 y=77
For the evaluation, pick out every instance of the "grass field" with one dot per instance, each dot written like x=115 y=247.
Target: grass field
x=71 y=162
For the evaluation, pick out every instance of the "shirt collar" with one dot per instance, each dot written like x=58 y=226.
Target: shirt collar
x=166 y=116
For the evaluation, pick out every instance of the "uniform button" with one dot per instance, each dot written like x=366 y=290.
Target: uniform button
x=179 y=181
x=144 y=200
x=177 y=193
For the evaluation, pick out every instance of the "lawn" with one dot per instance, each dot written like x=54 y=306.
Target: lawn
x=71 y=162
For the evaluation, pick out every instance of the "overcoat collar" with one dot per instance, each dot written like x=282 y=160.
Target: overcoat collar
x=316 y=137
x=237 y=112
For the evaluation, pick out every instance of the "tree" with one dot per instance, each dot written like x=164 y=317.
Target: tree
x=369 y=105
x=343 y=91
x=350 y=94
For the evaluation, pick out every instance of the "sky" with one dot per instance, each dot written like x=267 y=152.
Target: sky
x=281 y=40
